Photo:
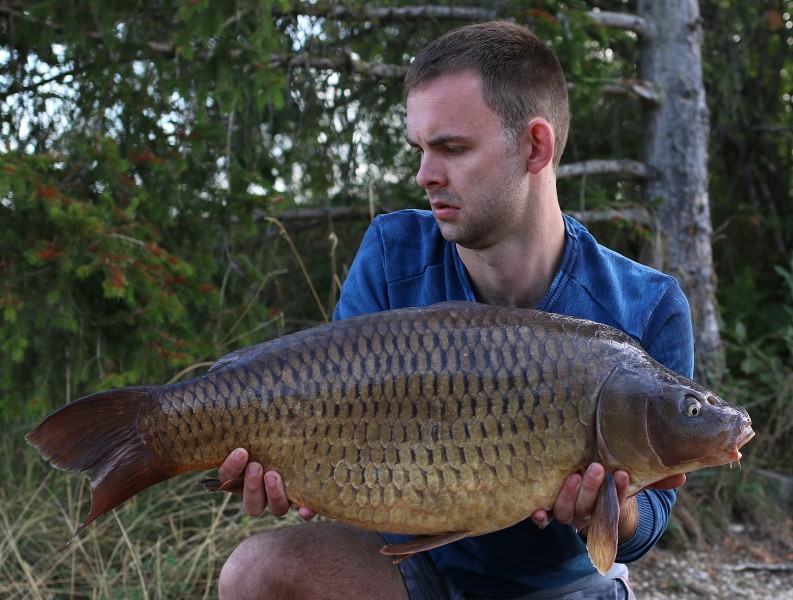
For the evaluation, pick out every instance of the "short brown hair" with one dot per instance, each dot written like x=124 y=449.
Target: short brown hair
x=521 y=76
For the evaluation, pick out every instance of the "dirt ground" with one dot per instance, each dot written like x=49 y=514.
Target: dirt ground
x=742 y=566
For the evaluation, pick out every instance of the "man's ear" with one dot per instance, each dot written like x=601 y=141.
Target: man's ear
x=537 y=145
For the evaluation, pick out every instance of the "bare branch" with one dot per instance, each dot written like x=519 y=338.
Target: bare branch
x=646 y=91
x=622 y=21
x=633 y=88
x=604 y=167
x=303 y=218
x=341 y=64
x=462 y=13
x=638 y=89
x=340 y=213
x=16 y=88
x=638 y=215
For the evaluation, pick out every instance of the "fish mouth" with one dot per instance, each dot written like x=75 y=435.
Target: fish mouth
x=729 y=451
x=743 y=433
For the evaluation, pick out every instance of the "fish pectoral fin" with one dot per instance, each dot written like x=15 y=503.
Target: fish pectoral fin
x=233 y=486
x=604 y=527
x=402 y=551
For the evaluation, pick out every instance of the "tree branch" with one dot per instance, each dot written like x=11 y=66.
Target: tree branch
x=604 y=167
x=631 y=87
x=312 y=216
x=639 y=89
x=336 y=213
x=341 y=64
x=17 y=88
x=638 y=215
x=304 y=218
x=623 y=21
x=328 y=11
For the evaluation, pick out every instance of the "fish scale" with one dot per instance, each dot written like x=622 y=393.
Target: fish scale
x=400 y=386
x=448 y=421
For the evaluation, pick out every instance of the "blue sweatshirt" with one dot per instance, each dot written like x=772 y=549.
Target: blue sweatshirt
x=404 y=261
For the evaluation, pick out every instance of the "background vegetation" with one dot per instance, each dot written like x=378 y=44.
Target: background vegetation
x=157 y=162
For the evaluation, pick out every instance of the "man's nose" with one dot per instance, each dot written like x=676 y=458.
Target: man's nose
x=431 y=173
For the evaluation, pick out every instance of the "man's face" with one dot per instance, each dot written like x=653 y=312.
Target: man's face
x=477 y=186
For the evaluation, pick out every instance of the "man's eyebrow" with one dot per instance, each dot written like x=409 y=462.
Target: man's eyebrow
x=440 y=140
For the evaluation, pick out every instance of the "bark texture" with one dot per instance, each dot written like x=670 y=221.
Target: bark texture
x=676 y=142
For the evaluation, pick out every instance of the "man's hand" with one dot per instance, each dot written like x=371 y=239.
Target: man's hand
x=260 y=488
x=576 y=500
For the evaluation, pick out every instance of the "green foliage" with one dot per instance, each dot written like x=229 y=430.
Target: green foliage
x=762 y=378
x=84 y=277
x=126 y=193
x=749 y=78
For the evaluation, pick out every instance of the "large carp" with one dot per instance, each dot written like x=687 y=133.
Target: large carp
x=449 y=421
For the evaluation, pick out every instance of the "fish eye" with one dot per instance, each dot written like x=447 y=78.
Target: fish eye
x=692 y=407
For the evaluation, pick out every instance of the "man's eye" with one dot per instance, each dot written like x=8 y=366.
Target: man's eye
x=454 y=149
x=416 y=150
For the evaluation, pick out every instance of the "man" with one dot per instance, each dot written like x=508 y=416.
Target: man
x=487 y=112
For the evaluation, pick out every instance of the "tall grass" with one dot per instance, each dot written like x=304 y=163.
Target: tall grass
x=168 y=542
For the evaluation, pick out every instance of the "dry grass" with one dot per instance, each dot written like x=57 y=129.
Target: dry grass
x=168 y=542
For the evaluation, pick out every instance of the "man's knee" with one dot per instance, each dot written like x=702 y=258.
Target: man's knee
x=256 y=568
x=327 y=560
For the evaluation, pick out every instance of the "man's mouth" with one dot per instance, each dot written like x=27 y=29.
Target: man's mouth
x=442 y=210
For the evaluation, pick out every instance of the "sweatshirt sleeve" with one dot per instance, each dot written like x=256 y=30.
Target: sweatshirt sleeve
x=654 y=508
x=668 y=336
x=365 y=289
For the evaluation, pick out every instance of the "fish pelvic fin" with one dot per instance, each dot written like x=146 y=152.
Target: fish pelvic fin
x=604 y=527
x=402 y=551
x=100 y=433
x=233 y=486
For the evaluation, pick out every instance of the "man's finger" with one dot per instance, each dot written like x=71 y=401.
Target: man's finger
x=670 y=483
x=541 y=518
x=622 y=480
x=253 y=497
x=276 y=493
x=564 y=507
x=588 y=492
x=234 y=465
x=306 y=513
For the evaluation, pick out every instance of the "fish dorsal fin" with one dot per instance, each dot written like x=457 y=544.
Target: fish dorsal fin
x=604 y=527
x=402 y=551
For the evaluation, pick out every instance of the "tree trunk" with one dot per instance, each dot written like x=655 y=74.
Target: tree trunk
x=676 y=139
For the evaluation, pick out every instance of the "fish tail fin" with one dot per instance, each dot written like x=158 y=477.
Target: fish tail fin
x=100 y=433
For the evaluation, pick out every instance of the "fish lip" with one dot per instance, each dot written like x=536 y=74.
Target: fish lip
x=742 y=433
x=746 y=434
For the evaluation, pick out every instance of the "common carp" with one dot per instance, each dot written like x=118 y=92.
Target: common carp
x=453 y=420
